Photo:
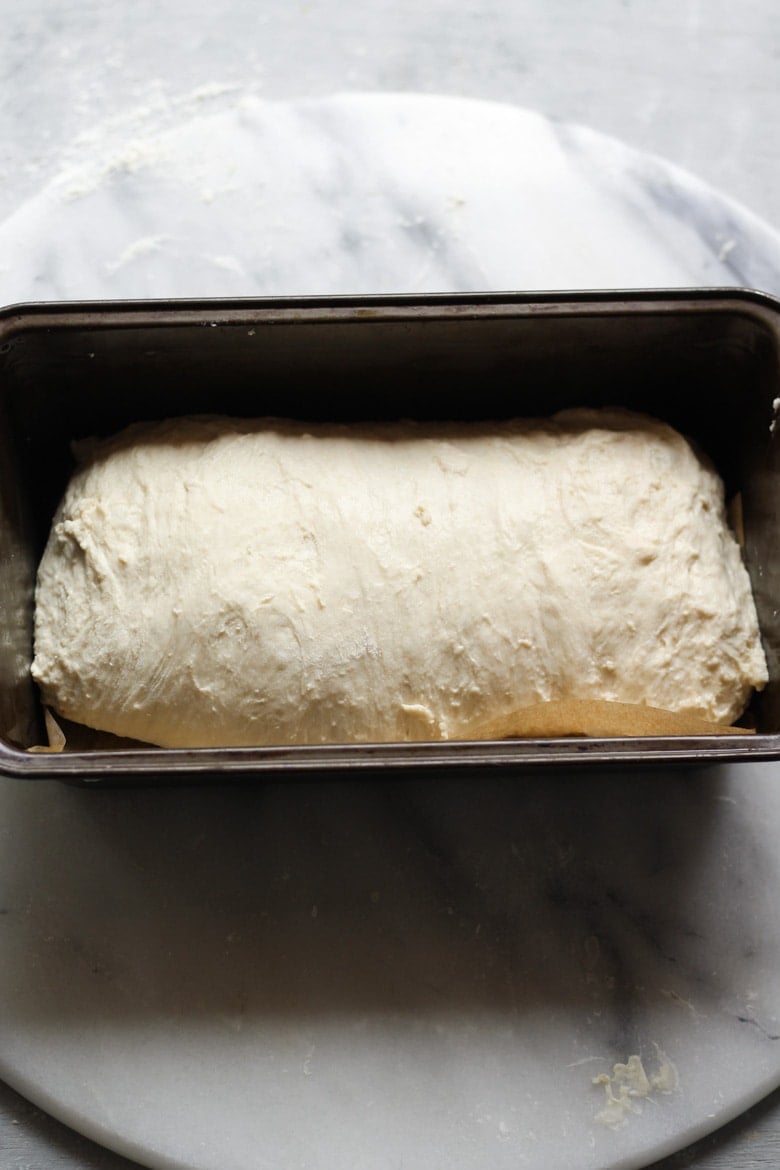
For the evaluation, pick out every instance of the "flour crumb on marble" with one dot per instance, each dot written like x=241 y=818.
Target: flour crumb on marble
x=629 y=1084
x=138 y=248
x=228 y=263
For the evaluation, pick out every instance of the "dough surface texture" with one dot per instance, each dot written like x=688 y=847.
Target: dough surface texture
x=216 y=582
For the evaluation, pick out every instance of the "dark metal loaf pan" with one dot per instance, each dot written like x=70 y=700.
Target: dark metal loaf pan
x=708 y=362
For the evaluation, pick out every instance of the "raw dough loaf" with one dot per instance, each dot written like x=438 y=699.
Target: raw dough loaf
x=222 y=582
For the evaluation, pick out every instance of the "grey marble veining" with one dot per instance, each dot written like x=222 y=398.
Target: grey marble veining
x=372 y=193
x=695 y=82
x=417 y=972
x=733 y=245
x=420 y=972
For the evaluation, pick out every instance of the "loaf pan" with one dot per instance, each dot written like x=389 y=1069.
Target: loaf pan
x=707 y=362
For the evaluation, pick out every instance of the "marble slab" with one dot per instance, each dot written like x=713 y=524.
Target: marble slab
x=368 y=193
x=537 y=971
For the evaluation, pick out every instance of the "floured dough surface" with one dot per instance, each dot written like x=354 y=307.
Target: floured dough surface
x=213 y=582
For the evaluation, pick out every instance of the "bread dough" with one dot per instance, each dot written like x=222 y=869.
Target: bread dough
x=212 y=582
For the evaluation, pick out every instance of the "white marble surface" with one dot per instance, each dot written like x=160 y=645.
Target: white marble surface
x=695 y=81
x=405 y=973
x=368 y=193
